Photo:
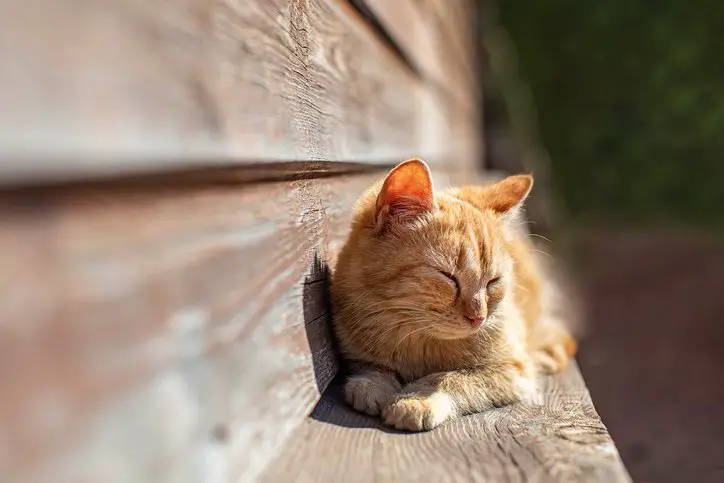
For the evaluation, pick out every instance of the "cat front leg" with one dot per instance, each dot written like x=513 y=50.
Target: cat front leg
x=370 y=388
x=433 y=399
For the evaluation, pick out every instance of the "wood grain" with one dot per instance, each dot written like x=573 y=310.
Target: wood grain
x=438 y=40
x=125 y=86
x=452 y=21
x=409 y=29
x=173 y=334
x=562 y=440
x=419 y=32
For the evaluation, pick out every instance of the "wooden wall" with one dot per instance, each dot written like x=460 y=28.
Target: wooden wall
x=175 y=180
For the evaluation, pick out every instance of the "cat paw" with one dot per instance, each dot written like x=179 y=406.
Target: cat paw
x=370 y=393
x=418 y=413
x=527 y=391
x=553 y=353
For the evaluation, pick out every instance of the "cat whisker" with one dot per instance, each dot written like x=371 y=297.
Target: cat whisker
x=407 y=336
x=381 y=338
x=540 y=236
x=394 y=327
x=542 y=252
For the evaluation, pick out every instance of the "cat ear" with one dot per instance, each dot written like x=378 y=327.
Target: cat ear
x=406 y=193
x=507 y=196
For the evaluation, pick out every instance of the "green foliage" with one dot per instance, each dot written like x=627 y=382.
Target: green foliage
x=630 y=99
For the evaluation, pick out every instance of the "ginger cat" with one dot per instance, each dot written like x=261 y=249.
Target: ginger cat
x=438 y=303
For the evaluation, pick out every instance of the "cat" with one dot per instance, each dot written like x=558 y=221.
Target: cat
x=438 y=302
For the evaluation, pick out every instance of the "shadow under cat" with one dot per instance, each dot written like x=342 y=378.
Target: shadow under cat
x=329 y=371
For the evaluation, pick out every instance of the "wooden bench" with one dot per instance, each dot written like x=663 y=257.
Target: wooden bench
x=561 y=440
x=175 y=181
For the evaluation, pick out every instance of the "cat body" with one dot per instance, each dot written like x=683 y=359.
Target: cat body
x=438 y=302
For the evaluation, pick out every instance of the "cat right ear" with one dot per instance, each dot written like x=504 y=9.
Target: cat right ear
x=406 y=194
x=507 y=196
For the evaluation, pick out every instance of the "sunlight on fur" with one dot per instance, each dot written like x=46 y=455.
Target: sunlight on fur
x=439 y=303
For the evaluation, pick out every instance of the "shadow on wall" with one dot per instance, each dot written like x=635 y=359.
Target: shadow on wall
x=328 y=369
x=318 y=323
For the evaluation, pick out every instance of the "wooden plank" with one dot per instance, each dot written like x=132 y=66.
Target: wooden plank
x=445 y=63
x=409 y=29
x=452 y=22
x=561 y=440
x=165 y=333
x=124 y=86
x=426 y=42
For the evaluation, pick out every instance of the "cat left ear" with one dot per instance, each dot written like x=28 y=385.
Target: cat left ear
x=406 y=194
x=508 y=195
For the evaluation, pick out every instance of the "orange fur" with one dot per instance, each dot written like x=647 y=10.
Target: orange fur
x=418 y=273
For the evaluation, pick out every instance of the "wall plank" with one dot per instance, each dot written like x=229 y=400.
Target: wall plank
x=418 y=31
x=437 y=38
x=123 y=86
x=451 y=20
x=163 y=335
x=409 y=28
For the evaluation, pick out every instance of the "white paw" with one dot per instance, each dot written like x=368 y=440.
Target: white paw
x=528 y=391
x=368 y=394
x=418 y=413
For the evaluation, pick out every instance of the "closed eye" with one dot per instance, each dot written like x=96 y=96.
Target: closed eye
x=492 y=283
x=452 y=278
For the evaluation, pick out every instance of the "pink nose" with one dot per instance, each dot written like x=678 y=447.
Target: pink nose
x=475 y=321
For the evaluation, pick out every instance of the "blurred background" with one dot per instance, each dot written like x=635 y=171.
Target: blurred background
x=619 y=107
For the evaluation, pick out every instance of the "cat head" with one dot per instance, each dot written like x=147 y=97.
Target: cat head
x=427 y=262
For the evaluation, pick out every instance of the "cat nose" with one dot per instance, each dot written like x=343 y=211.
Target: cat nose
x=475 y=321
x=473 y=310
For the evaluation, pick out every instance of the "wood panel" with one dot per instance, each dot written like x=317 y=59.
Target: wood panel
x=439 y=45
x=453 y=21
x=117 y=86
x=171 y=334
x=419 y=32
x=408 y=27
x=561 y=440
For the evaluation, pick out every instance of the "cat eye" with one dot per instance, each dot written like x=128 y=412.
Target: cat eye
x=452 y=278
x=492 y=283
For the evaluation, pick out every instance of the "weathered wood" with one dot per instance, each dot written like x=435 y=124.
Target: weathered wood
x=429 y=46
x=163 y=335
x=450 y=107
x=410 y=30
x=451 y=20
x=124 y=86
x=561 y=440
x=447 y=109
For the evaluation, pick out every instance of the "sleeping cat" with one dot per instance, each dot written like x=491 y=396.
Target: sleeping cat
x=438 y=302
